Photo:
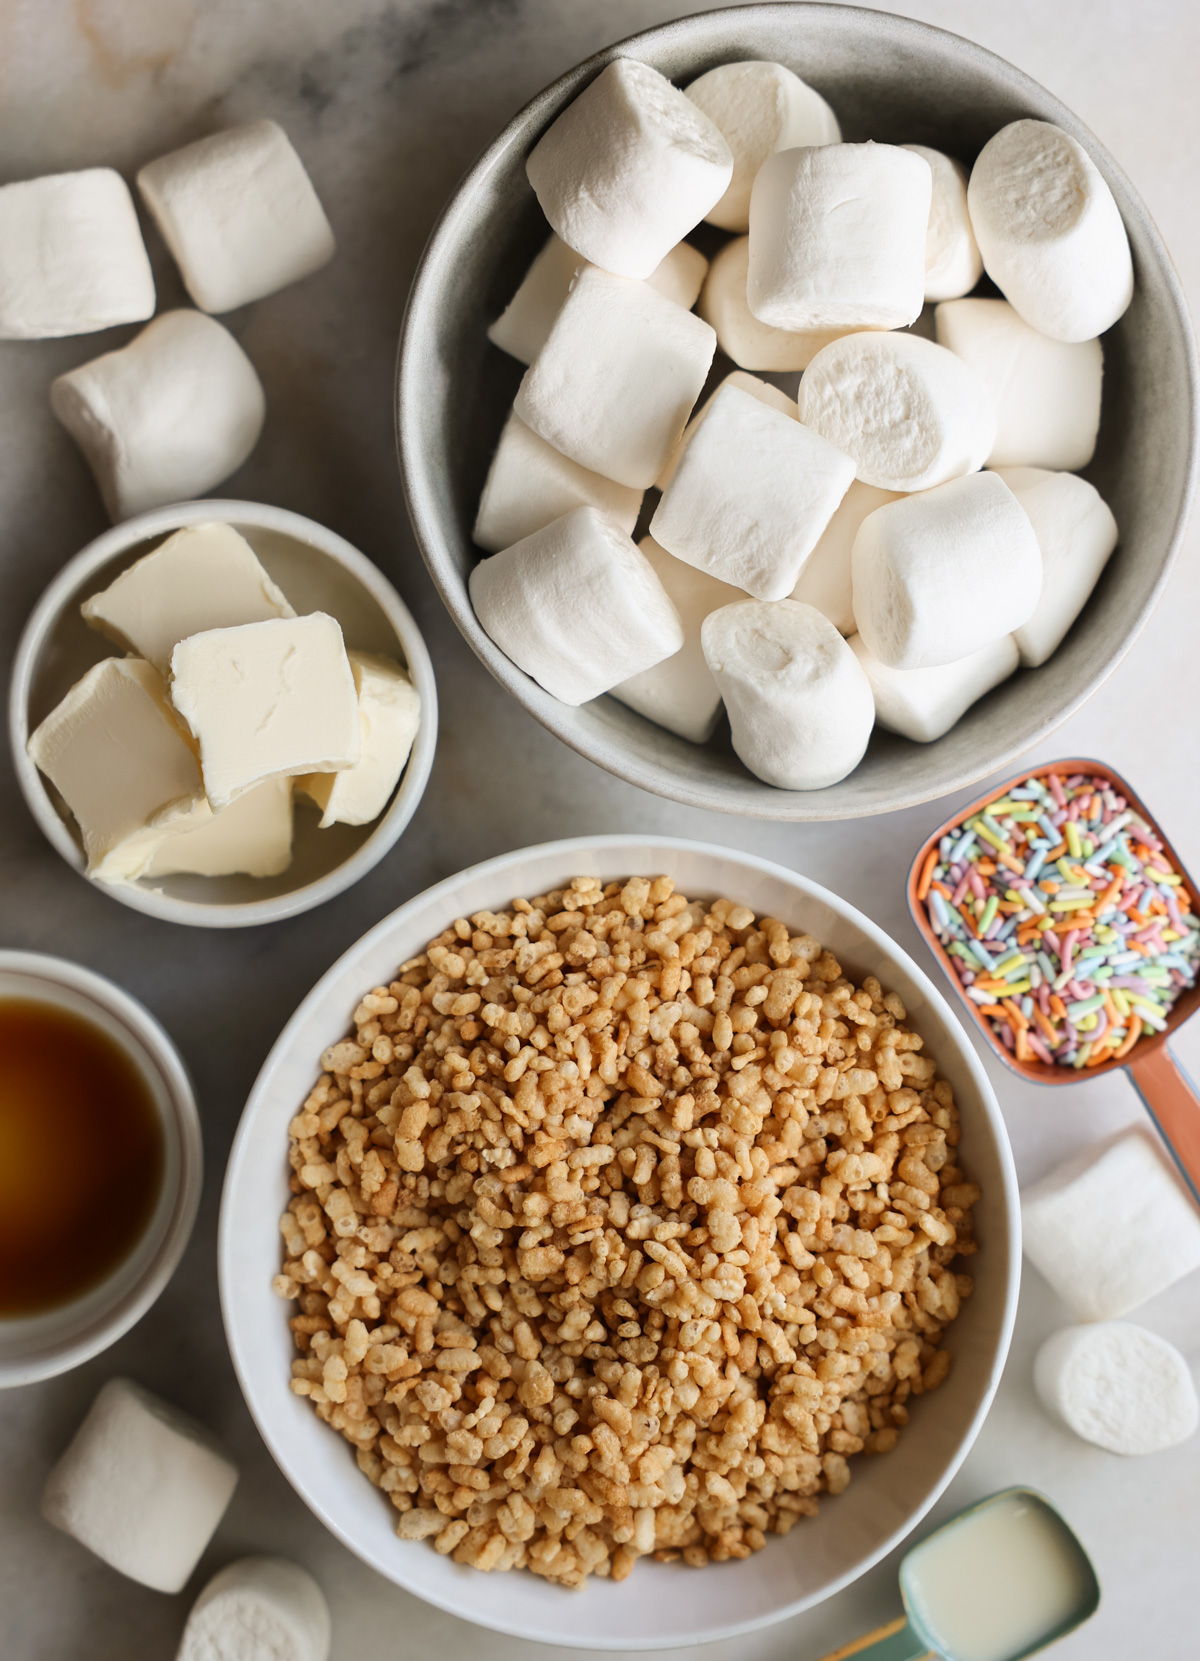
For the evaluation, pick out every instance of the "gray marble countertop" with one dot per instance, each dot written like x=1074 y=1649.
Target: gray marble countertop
x=388 y=102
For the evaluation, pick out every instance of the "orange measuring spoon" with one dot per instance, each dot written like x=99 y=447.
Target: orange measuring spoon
x=1169 y=1096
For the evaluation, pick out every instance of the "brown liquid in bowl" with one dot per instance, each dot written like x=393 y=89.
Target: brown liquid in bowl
x=81 y=1156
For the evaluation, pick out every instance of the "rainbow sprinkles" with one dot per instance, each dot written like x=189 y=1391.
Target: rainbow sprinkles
x=1067 y=925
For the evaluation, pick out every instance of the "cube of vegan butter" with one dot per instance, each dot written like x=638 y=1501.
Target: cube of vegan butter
x=389 y=712
x=202 y=577
x=119 y=758
x=267 y=699
x=252 y=835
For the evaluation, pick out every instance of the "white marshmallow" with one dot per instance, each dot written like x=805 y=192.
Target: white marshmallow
x=258 y=1609
x=953 y=264
x=1050 y=233
x=628 y=169
x=142 y=1485
x=680 y=275
x=167 y=417
x=750 y=495
x=252 y=836
x=940 y=575
x=389 y=717
x=1119 y=1386
x=760 y=108
x=837 y=237
x=1076 y=533
x=922 y=704
x=530 y=483
x=524 y=325
x=800 y=707
x=72 y=259
x=910 y=413
x=1046 y=393
x=576 y=606
x=1110 y=1229
x=679 y=693
x=239 y=214
x=762 y=390
x=740 y=335
x=824 y=580
x=617 y=379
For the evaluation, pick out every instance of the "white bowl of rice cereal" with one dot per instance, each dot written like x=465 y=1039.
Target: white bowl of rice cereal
x=628 y=1226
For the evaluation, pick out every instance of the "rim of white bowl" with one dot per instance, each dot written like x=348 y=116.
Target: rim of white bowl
x=257 y=1394
x=154 y=1052
x=63 y=591
x=605 y=750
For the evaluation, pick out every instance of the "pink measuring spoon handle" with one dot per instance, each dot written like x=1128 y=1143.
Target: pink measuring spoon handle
x=1170 y=1099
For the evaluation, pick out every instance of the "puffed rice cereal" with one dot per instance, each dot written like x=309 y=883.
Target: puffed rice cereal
x=621 y=1224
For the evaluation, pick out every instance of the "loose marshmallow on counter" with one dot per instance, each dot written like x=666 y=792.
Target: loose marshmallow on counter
x=258 y=1609
x=800 y=706
x=616 y=381
x=953 y=264
x=910 y=413
x=239 y=214
x=524 y=325
x=252 y=836
x=577 y=606
x=740 y=335
x=679 y=693
x=939 y=575
x=759 y=108
x=1050 y=233
x=922 y=704
x=762 y=390
x=389 y=714
x=1046 y=393
x=202 y=577
x=750 y=495
x=837 y=237
x=824 y=580
x=72 y=259
x=1118 y=1386
x=165 y=418
x=117 y=754
x=530 y=483
x=1111 y=1228
x=142 y=1485
x=1076 y=533
x=628 y=169
x=267 y=699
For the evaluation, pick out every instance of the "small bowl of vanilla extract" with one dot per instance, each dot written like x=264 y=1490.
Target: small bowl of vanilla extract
x=100 y=1164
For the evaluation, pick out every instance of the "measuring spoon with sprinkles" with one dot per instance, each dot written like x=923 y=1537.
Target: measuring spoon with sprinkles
x=1071 y=931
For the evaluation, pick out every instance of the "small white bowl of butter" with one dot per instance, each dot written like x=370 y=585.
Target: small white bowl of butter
x=311 y=570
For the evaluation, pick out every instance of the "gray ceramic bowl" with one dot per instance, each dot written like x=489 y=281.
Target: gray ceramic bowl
x=888 y=78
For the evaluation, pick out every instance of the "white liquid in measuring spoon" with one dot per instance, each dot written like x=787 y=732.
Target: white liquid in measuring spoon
x=998 y=1582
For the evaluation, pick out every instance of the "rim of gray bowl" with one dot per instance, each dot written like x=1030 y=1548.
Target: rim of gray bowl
x=63 y=590
x=418 y=467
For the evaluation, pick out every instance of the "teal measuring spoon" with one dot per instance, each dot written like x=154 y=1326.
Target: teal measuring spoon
x=998 y=1582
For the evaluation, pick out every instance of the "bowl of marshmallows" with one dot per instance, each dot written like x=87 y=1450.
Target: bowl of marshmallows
x=797 y=411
